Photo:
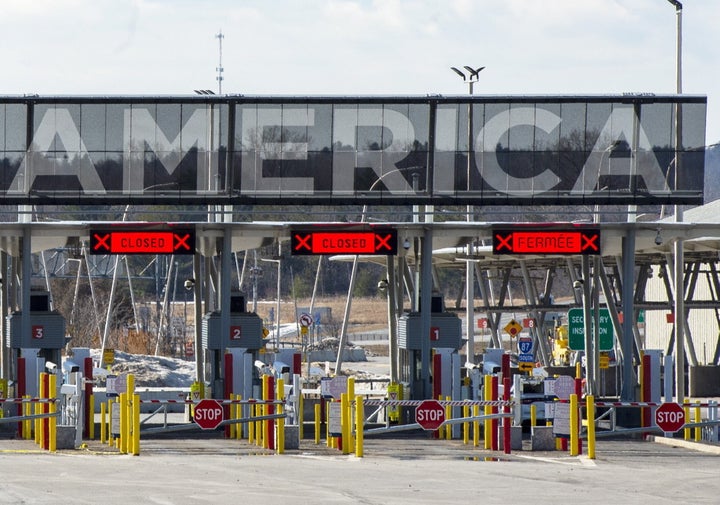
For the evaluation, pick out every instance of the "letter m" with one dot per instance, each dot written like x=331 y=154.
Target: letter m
x=142 y=133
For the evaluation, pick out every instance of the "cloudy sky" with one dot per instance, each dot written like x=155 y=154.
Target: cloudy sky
x=351 y=47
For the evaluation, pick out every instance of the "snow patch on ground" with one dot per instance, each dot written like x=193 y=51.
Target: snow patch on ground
x=160 y=371
x=152 y=371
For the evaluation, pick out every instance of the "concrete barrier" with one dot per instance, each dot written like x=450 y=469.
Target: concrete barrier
x=65 y=437
x=515 y=438
x=542 y=438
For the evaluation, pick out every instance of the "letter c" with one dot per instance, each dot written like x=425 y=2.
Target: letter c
x=494 y=129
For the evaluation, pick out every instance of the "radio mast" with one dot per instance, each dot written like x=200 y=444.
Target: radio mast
x=219 y=68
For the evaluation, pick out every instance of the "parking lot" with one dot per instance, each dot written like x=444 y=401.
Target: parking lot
x=417 y=470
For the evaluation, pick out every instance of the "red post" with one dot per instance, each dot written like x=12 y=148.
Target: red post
x=297 y=363
x=507 y=435
x=505 y=366
x=436 y=383
x=646 y=390
x=89 y=415
x=494 y=422
x=436 y=377
x=227 y=388
x=20 y=390
x=270 y=433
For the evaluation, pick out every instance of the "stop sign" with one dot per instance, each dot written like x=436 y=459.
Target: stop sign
x=430 y=414
x=670 y=417
x=208 y=414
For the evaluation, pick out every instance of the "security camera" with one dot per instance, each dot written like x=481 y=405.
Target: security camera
x=406 y=244
x=50 y=366
x=189 y=284
x=658 y=239
x=262 y=368
x=578 y=284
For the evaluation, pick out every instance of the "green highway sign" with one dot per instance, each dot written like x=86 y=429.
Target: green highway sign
x=576 y=330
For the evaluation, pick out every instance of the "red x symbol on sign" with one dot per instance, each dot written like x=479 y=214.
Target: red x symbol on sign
x=383 y=242
x=302 y=242
x=503 y=242
x=181 y=242
x=101 y=242
x=589 y=241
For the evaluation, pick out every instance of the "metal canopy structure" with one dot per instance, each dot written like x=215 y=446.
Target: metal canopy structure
x=474 y=150
x=450 y=250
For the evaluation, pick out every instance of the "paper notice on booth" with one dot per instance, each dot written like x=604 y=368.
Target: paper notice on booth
x=561 y=421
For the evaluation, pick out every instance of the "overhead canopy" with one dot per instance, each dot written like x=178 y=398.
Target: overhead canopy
x=389 y=150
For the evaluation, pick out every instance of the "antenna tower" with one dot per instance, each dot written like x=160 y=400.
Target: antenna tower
x=219 y=68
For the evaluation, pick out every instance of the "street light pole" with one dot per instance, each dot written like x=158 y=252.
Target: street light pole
x=678 y=277
x=471 y=78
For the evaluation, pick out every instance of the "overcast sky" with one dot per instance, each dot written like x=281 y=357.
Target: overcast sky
x=351 y=47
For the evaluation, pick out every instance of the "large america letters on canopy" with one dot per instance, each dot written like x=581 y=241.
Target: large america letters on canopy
x=630 y=149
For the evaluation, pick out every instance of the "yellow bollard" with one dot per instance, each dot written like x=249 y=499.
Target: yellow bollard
x=232 y=415
x=686 y=431
x=52 y=410
x=124 y=429
x=574 y=439
x=351 y=396
x=448 y=416
x=265 y=410
x=533 y=415
x=698 y=419
x=487 y=423
x=345 y=423
x=251 y=424
x=39 y=410
x=129 y=413
x=466 y=425
x=136 y=425
x=27 y=426
x=318 y=423
x=91 y=421
x=259 y=434
x=359 y=426
x=590 y=401
x=476 y=426
x=280 y=425
x=242 y=427
x=109 y=425
x=103 y=433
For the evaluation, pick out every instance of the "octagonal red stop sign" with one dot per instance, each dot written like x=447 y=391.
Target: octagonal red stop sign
x=670 y=417
x=209 y=414
x=430 y=414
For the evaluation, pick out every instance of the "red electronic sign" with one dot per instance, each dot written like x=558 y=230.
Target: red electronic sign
x=142 y=241
x=546 y=241
x=378 y=242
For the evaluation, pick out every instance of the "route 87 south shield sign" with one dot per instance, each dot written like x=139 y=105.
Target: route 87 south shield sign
x=525 y=345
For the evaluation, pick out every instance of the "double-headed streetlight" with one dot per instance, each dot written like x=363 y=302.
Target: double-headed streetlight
x=678 y=272
x=471 y=76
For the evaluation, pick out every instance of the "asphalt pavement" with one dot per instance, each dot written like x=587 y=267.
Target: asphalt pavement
x=403 y=470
